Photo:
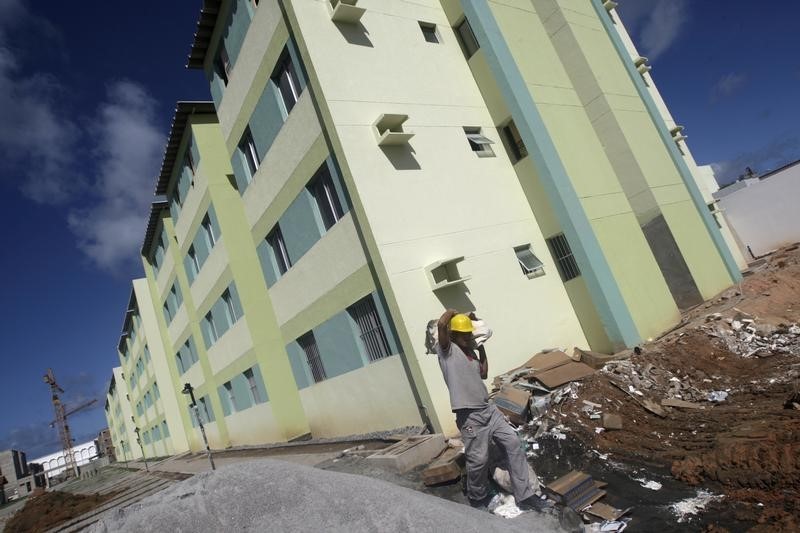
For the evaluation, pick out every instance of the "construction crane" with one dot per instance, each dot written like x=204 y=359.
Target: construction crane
x=75 y=409
x=61 y=422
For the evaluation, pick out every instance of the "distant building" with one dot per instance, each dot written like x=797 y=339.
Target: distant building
x=17 y=477
x=54 y=463
x=762 y=210
x=105 y=445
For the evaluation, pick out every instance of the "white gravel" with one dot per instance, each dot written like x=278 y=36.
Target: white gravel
x=272 y=495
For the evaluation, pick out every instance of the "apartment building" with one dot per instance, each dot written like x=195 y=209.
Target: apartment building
x=119 y=415
x=155 y=412
x=365 y=165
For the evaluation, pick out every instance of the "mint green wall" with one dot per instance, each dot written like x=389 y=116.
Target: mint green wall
x=704 y=269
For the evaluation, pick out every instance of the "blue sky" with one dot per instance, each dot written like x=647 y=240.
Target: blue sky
x=87 y=91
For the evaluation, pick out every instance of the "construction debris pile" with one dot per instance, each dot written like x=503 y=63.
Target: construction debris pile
x=744 y=336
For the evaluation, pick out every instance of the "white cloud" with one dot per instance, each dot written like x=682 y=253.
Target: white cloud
x=129 y=150
x=727 y=85
x=37 y=140
x=656 y=23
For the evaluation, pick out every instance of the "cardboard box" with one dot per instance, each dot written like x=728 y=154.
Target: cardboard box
x=514 y=403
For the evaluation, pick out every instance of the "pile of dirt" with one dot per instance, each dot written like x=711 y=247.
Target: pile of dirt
x=52 y=508
x=745 y=438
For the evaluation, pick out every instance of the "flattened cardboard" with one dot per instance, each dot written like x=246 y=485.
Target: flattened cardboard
x=563 y=374
x=542 y=362
x=606 y=512
x=514 y=403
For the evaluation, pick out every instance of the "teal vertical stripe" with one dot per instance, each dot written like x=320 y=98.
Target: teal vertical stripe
x=666 y=138
x=605 y=293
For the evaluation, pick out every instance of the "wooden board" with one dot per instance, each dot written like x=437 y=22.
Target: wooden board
x=446 y=467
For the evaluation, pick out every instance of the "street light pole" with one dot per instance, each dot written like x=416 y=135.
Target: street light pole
x=124 y=455
x=139 y=442
x=188 y=389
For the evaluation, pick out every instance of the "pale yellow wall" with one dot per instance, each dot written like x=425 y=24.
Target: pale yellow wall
x=437 y=200
x=171 y=401
x=375 y=400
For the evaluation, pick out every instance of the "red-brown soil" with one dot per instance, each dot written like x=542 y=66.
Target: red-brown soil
x=749 y=443
x=52 y=508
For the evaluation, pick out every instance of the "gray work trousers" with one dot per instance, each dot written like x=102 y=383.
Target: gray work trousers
x=477 y=426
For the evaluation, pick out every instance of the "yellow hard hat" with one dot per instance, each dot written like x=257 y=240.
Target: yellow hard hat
x=461 y=323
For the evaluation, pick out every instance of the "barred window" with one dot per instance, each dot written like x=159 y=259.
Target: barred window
x=309 y=345
x=565 y=261
x=372 y=336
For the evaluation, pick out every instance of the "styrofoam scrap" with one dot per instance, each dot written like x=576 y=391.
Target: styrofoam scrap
x=505 y=506
x=689 y=507
x=648 y=484
x=599 y=430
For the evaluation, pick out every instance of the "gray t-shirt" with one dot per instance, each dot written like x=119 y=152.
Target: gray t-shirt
x=463 y=378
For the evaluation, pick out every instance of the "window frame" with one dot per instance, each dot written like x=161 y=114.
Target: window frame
x=251 y=382
x=430 y=30
x=564 y=258
x=372 y=334
x=249 y=151
x=281 y=255
x=285 y=69
x=326 y=198
x=479 y=143
x=528 y=271
x=469 y=43
x=208 y=231
x=308 y=343
x=516 y=146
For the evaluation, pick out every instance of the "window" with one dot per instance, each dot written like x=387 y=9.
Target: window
x=516 y=147
x=205 y=409
x=478 y=142
x=565 y=261
x=156 y=431
x=146 y=437
x=194 y=264
x=371 y=333
x=211 y=328
x=468 y=41
x=164 y=429
x=139 y=409
x=167 y=314
x=188 y=160
x=146 y=353
x=309 y=345
x=528 y=262
x=278 y=246
x=186 y=356
x=208 y=231
x=230 y=396
x=330 y=209
x=286 y=80
x=230 y=308
x=429 y=32
x=156 y=392
x=251 y=382
x=247 y=147
x=222 y=64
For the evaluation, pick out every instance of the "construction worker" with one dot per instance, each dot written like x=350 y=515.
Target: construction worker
x=464 y=367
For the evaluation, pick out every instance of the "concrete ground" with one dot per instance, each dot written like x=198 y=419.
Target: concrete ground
x=277 y=495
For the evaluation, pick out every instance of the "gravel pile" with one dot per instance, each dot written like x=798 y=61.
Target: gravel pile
x=272 y=495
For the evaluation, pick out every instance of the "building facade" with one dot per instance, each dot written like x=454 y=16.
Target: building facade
x=365 y=165
x=105 y=445
x=54 y=464
x=17 y=477
x=119 y=415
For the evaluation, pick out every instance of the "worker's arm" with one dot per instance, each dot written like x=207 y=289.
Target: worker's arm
x=483 y=362
x=444 y=329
